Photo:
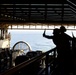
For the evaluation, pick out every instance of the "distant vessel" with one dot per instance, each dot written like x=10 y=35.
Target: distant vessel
x=5 y=55
x=5 y=38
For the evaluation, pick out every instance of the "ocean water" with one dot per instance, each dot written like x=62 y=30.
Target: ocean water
x=34 y=38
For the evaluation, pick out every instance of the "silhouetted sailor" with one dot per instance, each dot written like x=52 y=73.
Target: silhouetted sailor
x=63 y=45
x=65 y=50
x=54 y=37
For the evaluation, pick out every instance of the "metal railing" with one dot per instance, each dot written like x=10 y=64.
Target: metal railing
x=47 y=57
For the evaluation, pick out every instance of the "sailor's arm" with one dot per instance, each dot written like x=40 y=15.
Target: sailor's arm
x=46 y=36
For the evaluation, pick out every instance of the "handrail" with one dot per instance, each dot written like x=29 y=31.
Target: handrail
x=26 y=63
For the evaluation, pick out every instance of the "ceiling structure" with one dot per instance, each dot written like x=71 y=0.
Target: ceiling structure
x=37 y=11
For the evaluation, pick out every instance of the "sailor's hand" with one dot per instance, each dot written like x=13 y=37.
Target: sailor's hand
x=44 y=33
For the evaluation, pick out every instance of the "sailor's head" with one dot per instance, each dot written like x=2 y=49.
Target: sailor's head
x=56 y=31
x=62 y=29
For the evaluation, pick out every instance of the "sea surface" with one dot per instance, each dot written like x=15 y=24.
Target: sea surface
x=34 y=38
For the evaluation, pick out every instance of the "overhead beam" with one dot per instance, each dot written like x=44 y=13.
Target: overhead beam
x=32 y=1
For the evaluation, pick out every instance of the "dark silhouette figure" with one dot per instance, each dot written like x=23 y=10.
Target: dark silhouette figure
x=56 y=40
x=64 y=51
x=63 y=45
x=54 y=37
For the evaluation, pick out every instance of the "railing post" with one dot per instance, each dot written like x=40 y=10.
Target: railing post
x=54 y=54
x=46 y=62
